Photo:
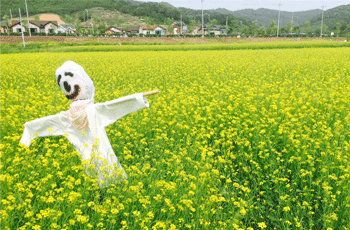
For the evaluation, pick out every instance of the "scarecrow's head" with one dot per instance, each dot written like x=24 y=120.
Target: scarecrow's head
x=74 y=81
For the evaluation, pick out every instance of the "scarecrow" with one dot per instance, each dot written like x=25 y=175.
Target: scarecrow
x=84 y=123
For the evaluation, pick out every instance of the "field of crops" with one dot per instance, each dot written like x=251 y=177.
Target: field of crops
x=238 y=139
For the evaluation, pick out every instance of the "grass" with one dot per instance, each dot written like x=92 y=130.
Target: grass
x=157 y=46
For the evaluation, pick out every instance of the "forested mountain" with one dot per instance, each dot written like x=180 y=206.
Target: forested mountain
x=156 y=13
x=335 y=18
x=164 y=13
x=265 y=16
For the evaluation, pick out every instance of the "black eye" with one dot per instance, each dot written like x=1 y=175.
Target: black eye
x=59 y=79
x=68 y=74
x=66 y=86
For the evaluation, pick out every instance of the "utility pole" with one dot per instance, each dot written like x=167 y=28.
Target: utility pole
x=11 y=16
x=226 y=25
x=30 y=34
x=322 y=19
x=22 y=28
x=181 y=23
x=202 y=21
x=291 y=28
x=87 y=18
x=279 y=15
x=92 y=25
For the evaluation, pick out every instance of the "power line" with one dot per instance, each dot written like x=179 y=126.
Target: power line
x=22 y=28
x=279 y=15
x=322 y=19
x=30 y=34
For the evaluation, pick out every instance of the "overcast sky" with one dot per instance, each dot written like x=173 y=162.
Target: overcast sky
x=288 y=5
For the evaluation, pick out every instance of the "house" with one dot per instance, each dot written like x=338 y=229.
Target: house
x=133 y=30
x=4 y=27
x=66 y=28
x=16 y=27
x=35 y=27
x=217 y=30
x=198 y=30
x=114 y=30
x=152 y=29
x=158 y=30
x=178 y=29
x=143 y=29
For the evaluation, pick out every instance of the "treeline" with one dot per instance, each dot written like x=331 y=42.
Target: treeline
x=154 y=13
x=291 y=30
x=336 y=20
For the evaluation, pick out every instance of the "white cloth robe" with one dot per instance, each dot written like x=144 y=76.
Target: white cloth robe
x=99 y=116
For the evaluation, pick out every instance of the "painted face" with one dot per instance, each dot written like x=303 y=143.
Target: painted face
x=74 y=82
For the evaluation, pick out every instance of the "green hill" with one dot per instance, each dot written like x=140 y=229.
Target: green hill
x=151 y=12
x=265 y=16
x=331 y=17
x=128 y=12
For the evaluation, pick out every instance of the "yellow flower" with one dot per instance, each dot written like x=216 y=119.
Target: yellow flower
x=50 y=199
x=243 y=211
x=36 y=227
x=262 y=225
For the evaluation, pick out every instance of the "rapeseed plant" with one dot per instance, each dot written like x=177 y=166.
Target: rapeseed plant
x=255 y=139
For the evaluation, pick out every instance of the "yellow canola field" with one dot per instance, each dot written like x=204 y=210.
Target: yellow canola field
x=255 y=139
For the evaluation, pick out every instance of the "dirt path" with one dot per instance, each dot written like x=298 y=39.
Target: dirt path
x=149 y=40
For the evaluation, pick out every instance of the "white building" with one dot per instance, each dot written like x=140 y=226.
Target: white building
x=65 y=28
x=152 y=29
x=143 y=29
x=35 y=27
x=114 y=30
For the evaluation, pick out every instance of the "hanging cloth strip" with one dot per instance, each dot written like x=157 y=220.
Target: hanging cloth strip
x=77 y=115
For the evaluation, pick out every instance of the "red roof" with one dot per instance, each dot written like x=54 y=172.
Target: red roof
x=40 y=24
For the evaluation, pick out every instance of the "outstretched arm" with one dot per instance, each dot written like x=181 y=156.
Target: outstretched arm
x=45 y=126
x=110 y=111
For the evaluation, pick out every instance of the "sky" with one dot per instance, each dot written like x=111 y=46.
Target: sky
x=287 y=5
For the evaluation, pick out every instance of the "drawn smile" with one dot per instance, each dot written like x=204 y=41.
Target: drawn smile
x=75 y=93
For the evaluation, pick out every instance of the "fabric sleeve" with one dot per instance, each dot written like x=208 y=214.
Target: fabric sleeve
x=110 y=111
x=45 y=126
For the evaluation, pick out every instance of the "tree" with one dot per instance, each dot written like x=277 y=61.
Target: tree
x=234 y=26
x=37 y=17
x=214 y=22
x=308 y=28
x=168 y=21
x=170 y=28
x=7 y=22
x=192 y=25
x=254 y=28
x=261 y=31
x=283 y=30
x=273 y=28
x=208 y=28
x=324 y=28
x=337 y=25
x=289 y=27
x=296 y=30
x=245 y=30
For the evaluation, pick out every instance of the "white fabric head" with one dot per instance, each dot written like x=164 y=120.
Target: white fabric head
x=74 y=82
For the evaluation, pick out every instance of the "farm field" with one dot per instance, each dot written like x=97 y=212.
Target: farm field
x=151 y=40
x=237 y=139
x=98 y=46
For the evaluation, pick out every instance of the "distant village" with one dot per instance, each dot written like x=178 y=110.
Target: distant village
x=54 y=28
